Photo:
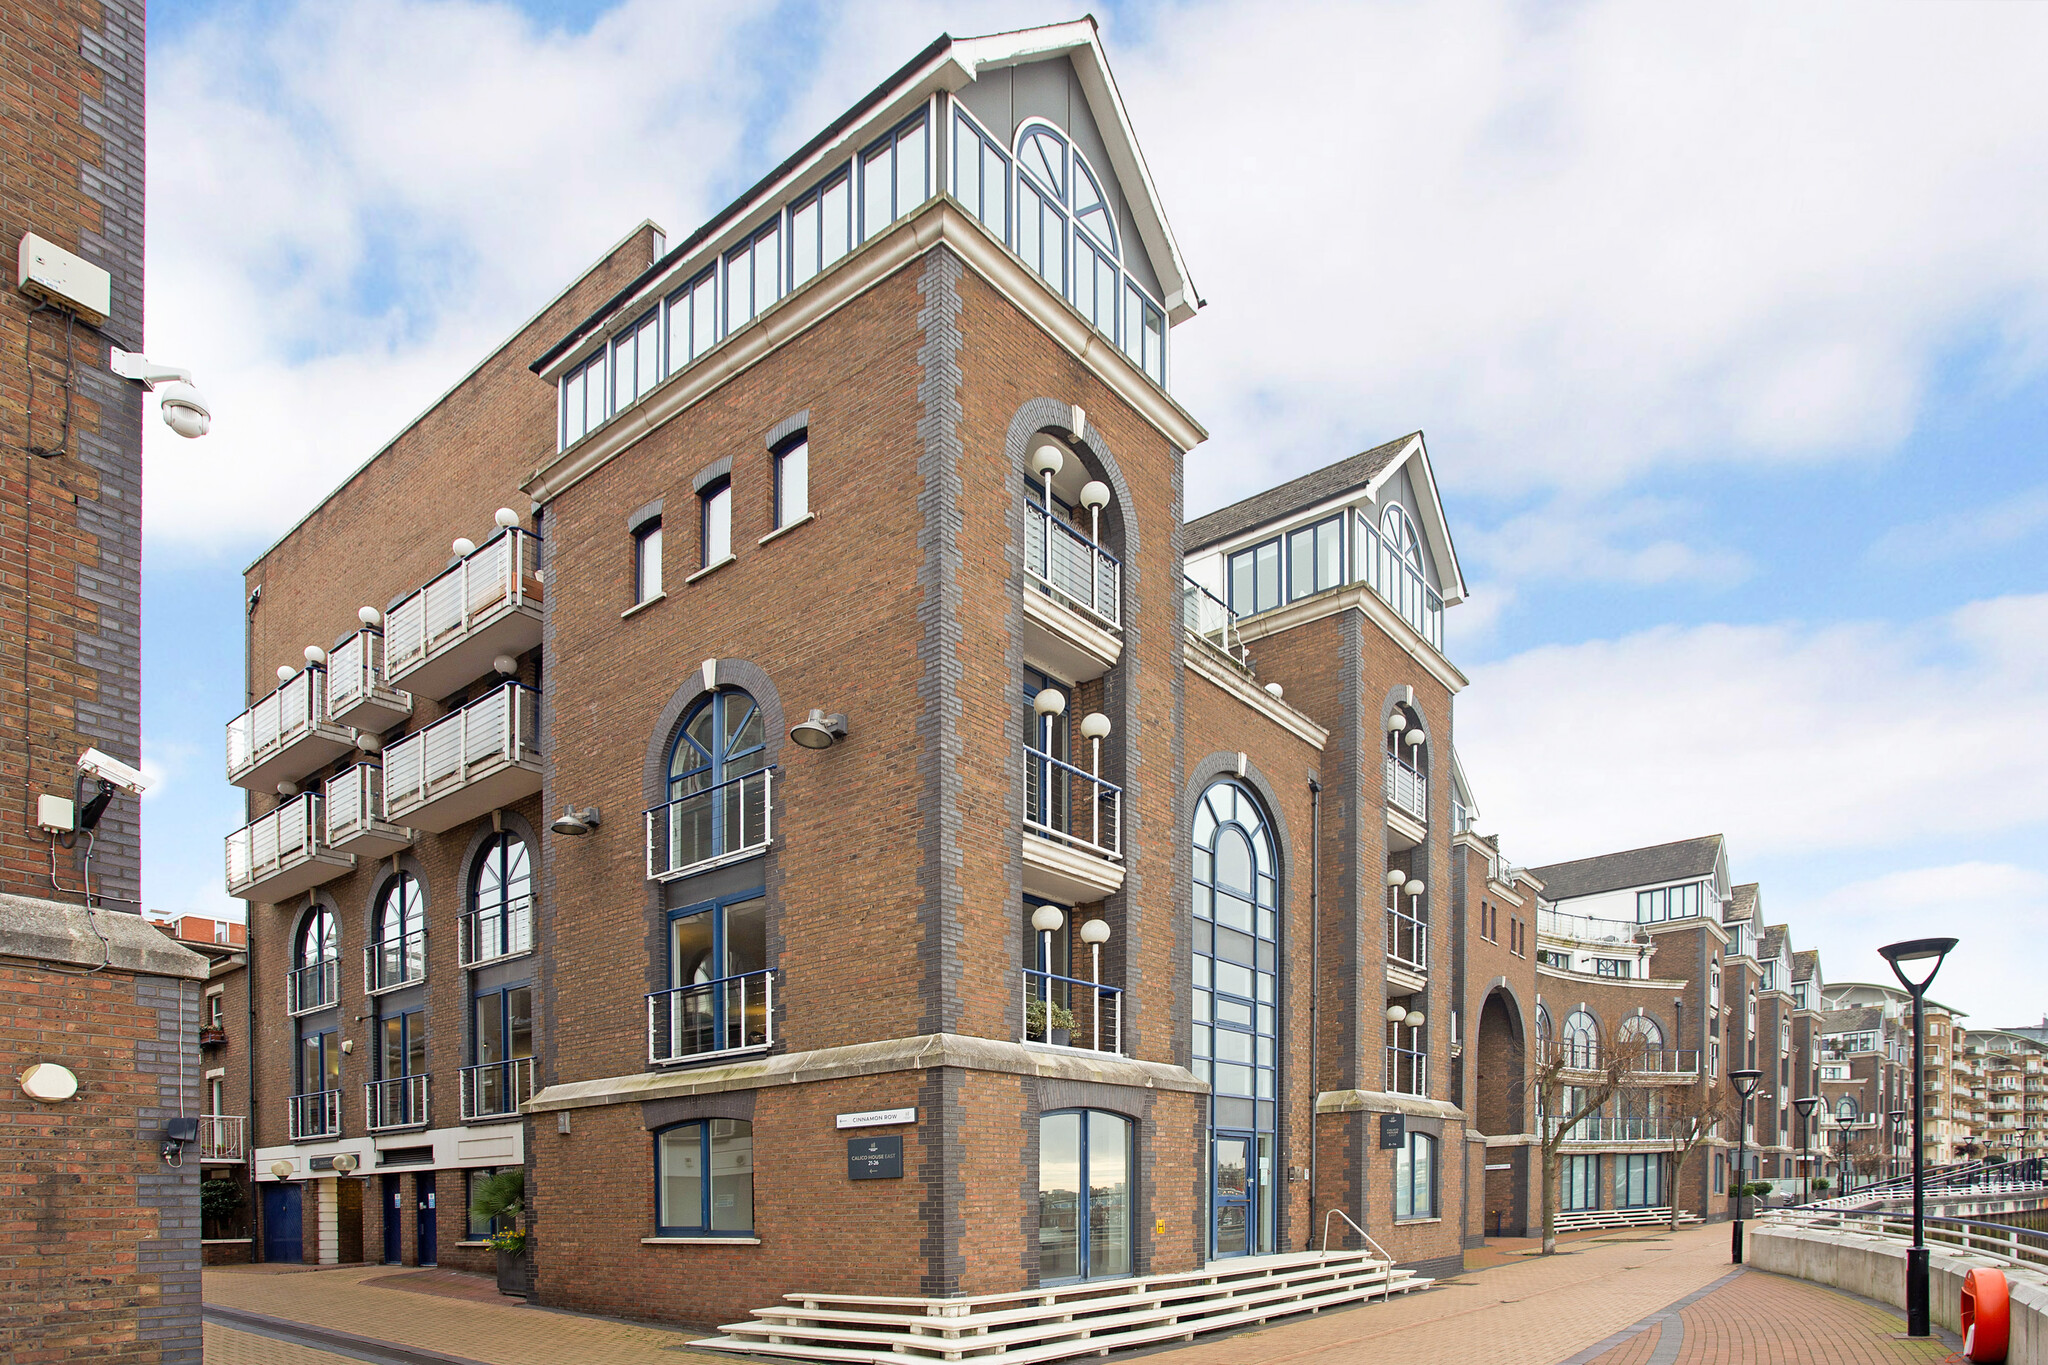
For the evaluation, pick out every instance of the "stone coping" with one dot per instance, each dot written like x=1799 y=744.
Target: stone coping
x=923 y=1053
x=53 y=931
x=1386 y=1102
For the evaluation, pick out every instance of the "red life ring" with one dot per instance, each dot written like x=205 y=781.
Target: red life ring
x=1986 y=1315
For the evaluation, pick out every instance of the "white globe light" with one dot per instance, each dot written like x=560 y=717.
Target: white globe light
x=1046 y=919
x=1095 y=931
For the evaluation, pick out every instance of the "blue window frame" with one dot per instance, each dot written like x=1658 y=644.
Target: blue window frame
x=704 y=1179
x=1581 y=1183
x=1415 y=1178
x=1048 y=787
x=720 y=742
x=319 y=1060
x=501 y=899
x=895 y=174
x=981 y=174
x=1255 y=576
x=793 y=480
x=1084 y=1195
x=501 y=1038
x=1315 y=558
x=717 y=964
x=693 y=319
x=820 y=228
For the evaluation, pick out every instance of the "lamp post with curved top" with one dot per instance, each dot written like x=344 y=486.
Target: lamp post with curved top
x=1805 y=1104
x=1930 y=951
x=1745 y=1082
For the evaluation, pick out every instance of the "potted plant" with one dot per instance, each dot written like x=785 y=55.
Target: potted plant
x=1050 y=1021
x=500 y=1198
x=1821 y=1184
x=220 y=1205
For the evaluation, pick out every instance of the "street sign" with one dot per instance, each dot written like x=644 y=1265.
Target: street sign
x=874 y=1158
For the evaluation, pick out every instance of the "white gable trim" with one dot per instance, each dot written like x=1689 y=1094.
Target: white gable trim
x=1434 y=525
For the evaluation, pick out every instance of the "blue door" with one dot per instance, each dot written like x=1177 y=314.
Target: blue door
x=1231 y=1193
x=423 y=1185
x=394 y=1216
x=281 y=1224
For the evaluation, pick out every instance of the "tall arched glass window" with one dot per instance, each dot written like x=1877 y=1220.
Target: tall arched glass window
x=398 y=929
x=1581 y=1040
x=1642 y=1029
x=1846 y=1109
x=314 y=982
x=499 y=922
x=717 y=783
x=1066 y=230
x=1398 y=529
x=1236 y=1008
x=1084 y=1195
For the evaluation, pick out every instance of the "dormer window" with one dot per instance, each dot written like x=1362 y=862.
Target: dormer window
x=1400 y=535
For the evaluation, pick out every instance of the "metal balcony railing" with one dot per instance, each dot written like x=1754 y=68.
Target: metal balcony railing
x=261 y=742
x=495 y=932
x=1407 y=1070
x=1613 y=1128
x=223 y=1137
x=357 y=694
x=496 y=1089
x=1064 y=803
x=1399 y=584
x=1097 y=1011
x=1407 y=789
x=212 y=1035
x=498 y=579
x=1408 y=939
x=711 y=1018
x=400 y=1102
x=355 y=813
x=316 y=1114
x=391 y=963
x=495 y=733
x=1585 y=928
x=1646 y=1062
x=282 y=853
x=1208 y=617
x=722 y=824
x=314 y=986
x=1076 y=570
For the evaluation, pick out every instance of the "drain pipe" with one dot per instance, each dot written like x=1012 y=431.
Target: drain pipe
x=1315 y=938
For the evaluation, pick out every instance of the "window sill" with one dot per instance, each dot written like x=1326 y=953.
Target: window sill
x=700 y=1241
x=639 y=607
x=707 y=570
x=472 y=1246
x=781 y=531
x=1414 y=1222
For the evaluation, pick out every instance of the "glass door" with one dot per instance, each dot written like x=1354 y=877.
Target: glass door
x=1231 y=1195
x=718 y=959
x=1084 y=1196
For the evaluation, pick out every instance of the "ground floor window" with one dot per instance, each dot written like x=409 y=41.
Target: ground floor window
x=1581 y=1182
x=1084 y=1195
x=1720 y=1172
x=1639 y=1183
x=480 y=1228
x=704 y=1171
x=1415 y=1178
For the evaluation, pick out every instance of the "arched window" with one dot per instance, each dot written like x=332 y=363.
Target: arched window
x=1407 y=766
x=1415 y=1178
x=717 y=783
x=1847 y=1110
x=1236 y=966
x=1065 y=229
x=1084 y=1195
x=704 y=1172
x=499 y=922
x=398 y=933
x=1641 y=1027
x=1581 y=1040
x=314 y=982
x=317 y=939
x=1399 y=533
x=314 y=985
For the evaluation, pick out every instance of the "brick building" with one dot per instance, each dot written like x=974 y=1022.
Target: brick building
x=226 y=1063
x=97 y=1009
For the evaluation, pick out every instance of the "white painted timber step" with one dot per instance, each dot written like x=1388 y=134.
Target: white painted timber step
x=1093 y=1318
x=1581 y=1219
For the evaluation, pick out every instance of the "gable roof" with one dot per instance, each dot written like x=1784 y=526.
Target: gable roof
x=1774 y=942
x=1652 y=866
x=1741 y=903
x=1805 y=963
x=1363 y=473
x=1852 y=1020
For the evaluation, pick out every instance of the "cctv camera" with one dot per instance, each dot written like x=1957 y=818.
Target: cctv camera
x=113 y=770
x=185 y=412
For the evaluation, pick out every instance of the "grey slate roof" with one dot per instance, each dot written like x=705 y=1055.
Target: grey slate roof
x=1331 y=481
x=1852 y=1020
x=1774 y=942
x=1651 y=866
x=1805 y=964
x=1741 y=903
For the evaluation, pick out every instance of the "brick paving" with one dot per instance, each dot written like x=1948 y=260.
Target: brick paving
x=1652 y=1298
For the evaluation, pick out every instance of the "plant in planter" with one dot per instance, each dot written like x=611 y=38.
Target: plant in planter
x=1049 y=1021
x=1821 y=1184
x=220 y=1205
x=500 y=1198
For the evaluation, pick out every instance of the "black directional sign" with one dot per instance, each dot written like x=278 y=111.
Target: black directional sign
x=874 y=1158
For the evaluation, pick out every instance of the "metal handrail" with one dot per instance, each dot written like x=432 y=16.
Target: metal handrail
x=1208 y=617
x=1417 y=1061
x=1407 y=788
x=293 y=708
x=494 y=572
x=478 y=943
x=221 y=1137
x=391 y=963
x=395 y=1102
x=1048 y=804
x=354 y=803
x=501 y=724
x=1075 y=568
x=515 y=1083
x=2014 y=1245
x=1386 y=1284
x=733 y=1014
x=265 y=845
x=315 y=1114
x=1408 y=939
x=1051 y=985
x=321 y=981
x=721 y=824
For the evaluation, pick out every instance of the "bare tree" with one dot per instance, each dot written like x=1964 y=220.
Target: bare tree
x=1692 y=1116
x=1590 y=1076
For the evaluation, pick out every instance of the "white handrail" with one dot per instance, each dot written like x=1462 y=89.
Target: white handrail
x=1387 y=1283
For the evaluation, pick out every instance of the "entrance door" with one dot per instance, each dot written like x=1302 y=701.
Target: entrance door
x=423 y=1188
x=348 y=1213
x=281 y=1240
x=394 y=1215
x=1231 y=1199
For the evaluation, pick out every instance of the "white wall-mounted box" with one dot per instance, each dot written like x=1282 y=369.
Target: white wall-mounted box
x=55 y=813
x=49 y=272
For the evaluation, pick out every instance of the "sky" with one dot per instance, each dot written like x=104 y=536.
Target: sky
x=1727 y=327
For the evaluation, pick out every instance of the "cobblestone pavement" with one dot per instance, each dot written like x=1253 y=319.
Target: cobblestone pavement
x=1636 y=1298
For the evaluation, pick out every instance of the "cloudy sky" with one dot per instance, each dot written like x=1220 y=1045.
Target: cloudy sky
x=1728 y=327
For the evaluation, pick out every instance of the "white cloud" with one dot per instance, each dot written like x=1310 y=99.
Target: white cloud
x=1973 y=530
x=1638 y=541
x=1792 y=741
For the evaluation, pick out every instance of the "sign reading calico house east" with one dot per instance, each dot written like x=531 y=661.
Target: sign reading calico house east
x=875 y=1158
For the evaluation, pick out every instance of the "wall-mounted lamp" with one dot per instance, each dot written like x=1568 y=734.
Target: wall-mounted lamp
x=577 y=823
x=316 y=657
x=49 y=1083
x=346 y=1162
x=1416 y=1019
x=287 y=789
x=506 y=518
x=818 y=730
x=285 y=673
x=178 y=1132
x=1413 y=887
x=505 y=665
x=1414 y=737
x=463 y=547
x=370 y=617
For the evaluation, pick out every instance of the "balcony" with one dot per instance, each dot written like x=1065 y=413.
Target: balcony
x=1609 y=1128
x=487 y=603
x=286 y=735
x=495 y=933
x=392 y=963
x=495 y=1090
x=314 y=986
x=357 y=694
x=1073 y=850
x=400 y=1102
x=1407 y=789
x=1407 y=1069
x=1398 y=583
x=355 y=815
x=1589 y=929
x=728 y=823
x=1096 y=1011
x=733 y=1014
x=277 y=856
x=1676 y=1063
x=1408 y=942
x=1207 y=617
x=223 y=1137
x=316 y=1115
x=1071 y=606
x=466 y=764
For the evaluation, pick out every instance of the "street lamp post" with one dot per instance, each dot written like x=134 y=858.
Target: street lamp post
x=1923 y=950
x=1805 y=1105
x=1745 y=1083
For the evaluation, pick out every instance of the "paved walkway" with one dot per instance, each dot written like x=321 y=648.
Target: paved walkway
x=1621 y=1298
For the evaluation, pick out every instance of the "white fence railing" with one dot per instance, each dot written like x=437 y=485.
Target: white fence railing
x=496 y=728
x=355 y=803
x=292 y=711
x=394 y=962
x=1408 y=939
x=1209 y=617
x=707 y=829
x=732 y=1014
x=496 y=931
x=495 y=577
x=222 y=1137
x=1407 y=789
x=316 y=1114
x=1078 y=571
x=400 y=1102
x=269 y=844
x=496 y=1089
x=355 y=677
x=314 y=986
